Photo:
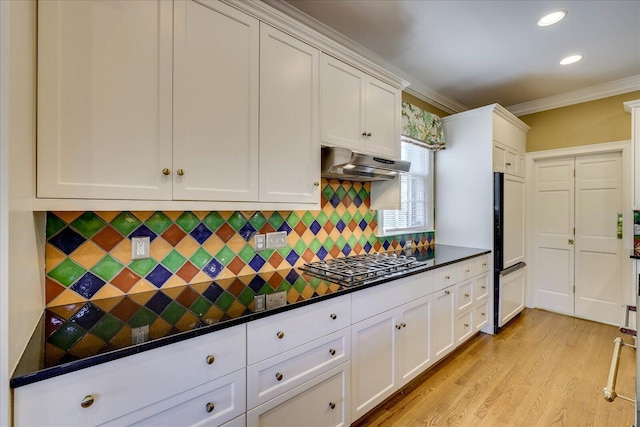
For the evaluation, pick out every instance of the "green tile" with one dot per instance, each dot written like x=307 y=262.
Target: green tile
x=322 y=218
x=200 y=258
x=144 y=316
x=328 y=192
x=341 y=192
x=187 y=221
x=284 y=286
x=352 y=193
x=200 y=306
x=307 y=218
x=373 y=239
x=67 y=272
x=125 y=223
x=276 y=220
x=174 y=261
x=257 y=220
x=300 y=284
x=266 y=290
x=213 y=221
x=352 y=241
x=292 y=219
x=237 y=220
x=247 y=253
x=315 y=282
x=143 y=266
x=225 y=300
x=173 y=313
x=334 y=217
x=340 y=242
x=363 y=193
x=300 y=247
x=266 y=254
x=246 y=296
x=315 y=245
x=107 y=327
x=362 y=240
x=328 y=243
x=346 y=217
x=284 y=251
x=368 y=217
x=107 y=268
x=88 y=224
x=357 y=217
x=66 y=336
x=225 y=255
x=54 y=224
x=158 y=222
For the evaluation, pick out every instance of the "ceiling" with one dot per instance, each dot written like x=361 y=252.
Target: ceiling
x=475 y=53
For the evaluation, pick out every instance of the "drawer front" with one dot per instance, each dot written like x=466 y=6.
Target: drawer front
x=464 y=328
x=481 y=287
x=481 y=315
x=482 y=264
x=282 y=332
x=464 y=295
x=278 y=374
x=445 y=277
x=212 y=403
x=466 y=269
x=322 y=401
x=125 y=385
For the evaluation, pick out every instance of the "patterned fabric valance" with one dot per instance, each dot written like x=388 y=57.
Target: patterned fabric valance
x=423 y=127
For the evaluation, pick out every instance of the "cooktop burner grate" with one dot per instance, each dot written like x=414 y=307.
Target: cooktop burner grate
x=354 y=270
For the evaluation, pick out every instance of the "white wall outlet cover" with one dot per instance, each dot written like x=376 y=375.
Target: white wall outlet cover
x=140 y=247
x=277 y=240
x=259 y=242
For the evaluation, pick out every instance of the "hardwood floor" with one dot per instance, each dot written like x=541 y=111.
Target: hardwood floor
x=544 y=369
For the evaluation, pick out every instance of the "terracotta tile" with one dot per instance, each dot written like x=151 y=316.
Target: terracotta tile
x=275 y=280
x=187 y=271
x=125 y=309
x=276 y=259
x=236 y=265
x=52 y=354
x=334 y=252
x=173 y=234
x=236 y=287
x=66 y=310
x=357 y=249
x=267 y=228
x=328 y=227
x=377 y=246
x=225 y=232
x=125 y=280
x=187 y=297
x=52 y=290
x=308 y=255
x=107 y=238
x=300 y=228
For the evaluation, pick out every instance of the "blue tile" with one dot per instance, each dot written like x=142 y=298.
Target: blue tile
x=67 y=240
x=143 y=231
x=315 y=227
x=334 y=200
x=346 y=250
x=341 y=225
x=247 y=231
x=158 y=276
x=386 y=244
x=88 y=285
x=158 y=302
x=292 y=257
x=256 y=283
x=367 y=247
x=363 y=224
x=285 y=227
x=322 y=253
x=357 y=201
x=201 y=233
x=87 y=316
x=256 y=262
x=213 y=268
x=292 y=277
x=213 y=292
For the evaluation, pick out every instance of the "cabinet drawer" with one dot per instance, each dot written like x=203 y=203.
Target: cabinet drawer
x=464 y=326
x=278 y=374
x=481 y=315
x=464 y=295
x=212 y=403
x=276 y=334
x=445 y=277
x=322 y=401
x=481 y=287
x=482 y=264
x=466 y=269
x=125 y=385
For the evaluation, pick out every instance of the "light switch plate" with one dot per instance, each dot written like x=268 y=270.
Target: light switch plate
x=277 y=240
x=276 y=299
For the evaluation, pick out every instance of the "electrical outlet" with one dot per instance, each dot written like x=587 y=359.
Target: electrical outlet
x=276 y=299
x=258 y=303
x=139 y=335
x=140 y=248
x=259 y=242
x=277 y=240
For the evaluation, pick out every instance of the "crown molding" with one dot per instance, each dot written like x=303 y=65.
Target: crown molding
x=604 y=90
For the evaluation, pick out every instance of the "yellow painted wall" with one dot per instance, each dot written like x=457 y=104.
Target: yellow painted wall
x=422 y=104
x=602 y=120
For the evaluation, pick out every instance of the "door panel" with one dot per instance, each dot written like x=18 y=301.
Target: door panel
x=513 y=239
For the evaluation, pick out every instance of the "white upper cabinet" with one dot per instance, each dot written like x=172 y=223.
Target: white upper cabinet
x=633 y=107
x=104 y=99
x=359 y=112
x=289 y=100
x=215 y=144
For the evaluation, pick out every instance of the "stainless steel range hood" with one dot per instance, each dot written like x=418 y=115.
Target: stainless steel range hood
x=342 y=163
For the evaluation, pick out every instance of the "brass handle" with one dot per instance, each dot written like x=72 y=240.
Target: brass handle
x=364 y=133
x=279 y=376
x=166 y=171
x=484 y=264
x=280 y=335
x=404 y=325
x=333 y=316
x=482 y=314
x=619 y=226
x=332 y=405
x=210 y=359
x=87 y=401
x=467 y=270
x=447 y=277
x=398 y=327
x=570 y=241
x=483 y=287
x=466 y=295
x=210 y=406
x=332 y=352
x=466 y=325
x=508 y=164
x=447 y=292
x=317 y=184
x=180 y=172
x=368 y=133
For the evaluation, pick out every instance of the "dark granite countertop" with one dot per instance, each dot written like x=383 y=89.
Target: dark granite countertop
x=77 y=336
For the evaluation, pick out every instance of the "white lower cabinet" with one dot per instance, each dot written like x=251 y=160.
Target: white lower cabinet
x=481 y=315
x=443 y=322
x=322 y=401
x=464 y=326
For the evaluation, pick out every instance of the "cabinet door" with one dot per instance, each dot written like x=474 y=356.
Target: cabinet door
x=511 y=162
x=512 y=287
x=382 y=124
x=499 y=153
x=289 y=144
x=464 y=326
x=104 y=99
x=343 y=100
x=442 y=331
x=414 y=339
x=215 y=147
x=373 y=362
x=481 y=315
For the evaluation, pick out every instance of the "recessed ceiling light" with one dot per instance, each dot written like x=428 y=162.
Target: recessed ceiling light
x=571 y=59
x=552 y=18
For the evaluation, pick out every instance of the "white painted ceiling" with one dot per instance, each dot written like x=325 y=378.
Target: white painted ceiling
x=480 y=52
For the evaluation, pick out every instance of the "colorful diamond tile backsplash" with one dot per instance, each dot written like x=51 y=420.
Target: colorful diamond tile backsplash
x=636 y=237
x=88 y=254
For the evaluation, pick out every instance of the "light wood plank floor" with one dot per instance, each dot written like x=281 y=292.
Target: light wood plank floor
x=544 y=369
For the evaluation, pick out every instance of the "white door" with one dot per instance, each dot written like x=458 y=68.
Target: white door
x=578 y=258
x=598 y=251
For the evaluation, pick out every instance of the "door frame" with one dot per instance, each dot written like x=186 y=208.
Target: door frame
x=623 y=147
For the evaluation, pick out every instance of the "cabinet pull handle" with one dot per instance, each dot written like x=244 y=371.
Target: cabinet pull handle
x=482 y=314
x=333 y=316
x=447 y=277
x=317 y=184
x=280 y=335
x=180 y=172
x=332 y=352
x=447 y=292
x=332 y=405
x=279 y=376
x=483 y=287
x=166 y=171
x=508 y=164
x=87 y=401
x=210 y=407
x=210 y=359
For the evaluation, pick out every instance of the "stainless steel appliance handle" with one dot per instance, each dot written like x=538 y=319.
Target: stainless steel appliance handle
x=513 y=268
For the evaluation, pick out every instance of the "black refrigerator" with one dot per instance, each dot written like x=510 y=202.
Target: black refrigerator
x=509 y=278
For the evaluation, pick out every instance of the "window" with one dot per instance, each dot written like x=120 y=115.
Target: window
x=416 y=194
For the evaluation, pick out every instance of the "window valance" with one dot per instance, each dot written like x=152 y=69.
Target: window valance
x=422 y=127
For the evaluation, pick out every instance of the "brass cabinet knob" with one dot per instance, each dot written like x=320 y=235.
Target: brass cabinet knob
x=368 y=134
x=466 y=325
x=447 y=277
x=317 y=184
x=332 y=352
x=333 y=316
x=87 y=401
x=166 y=171
x=467 y=270
x=364 y=133
x=279 y=376
x=466 y=295
x=210 y=359
x=482 y=314
x=209 y=407
x=398 y=327
x=447 y=292
x=404 y=325
x=180 y=172
x=483 y=287
x=332 y=405
x=280 y=335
